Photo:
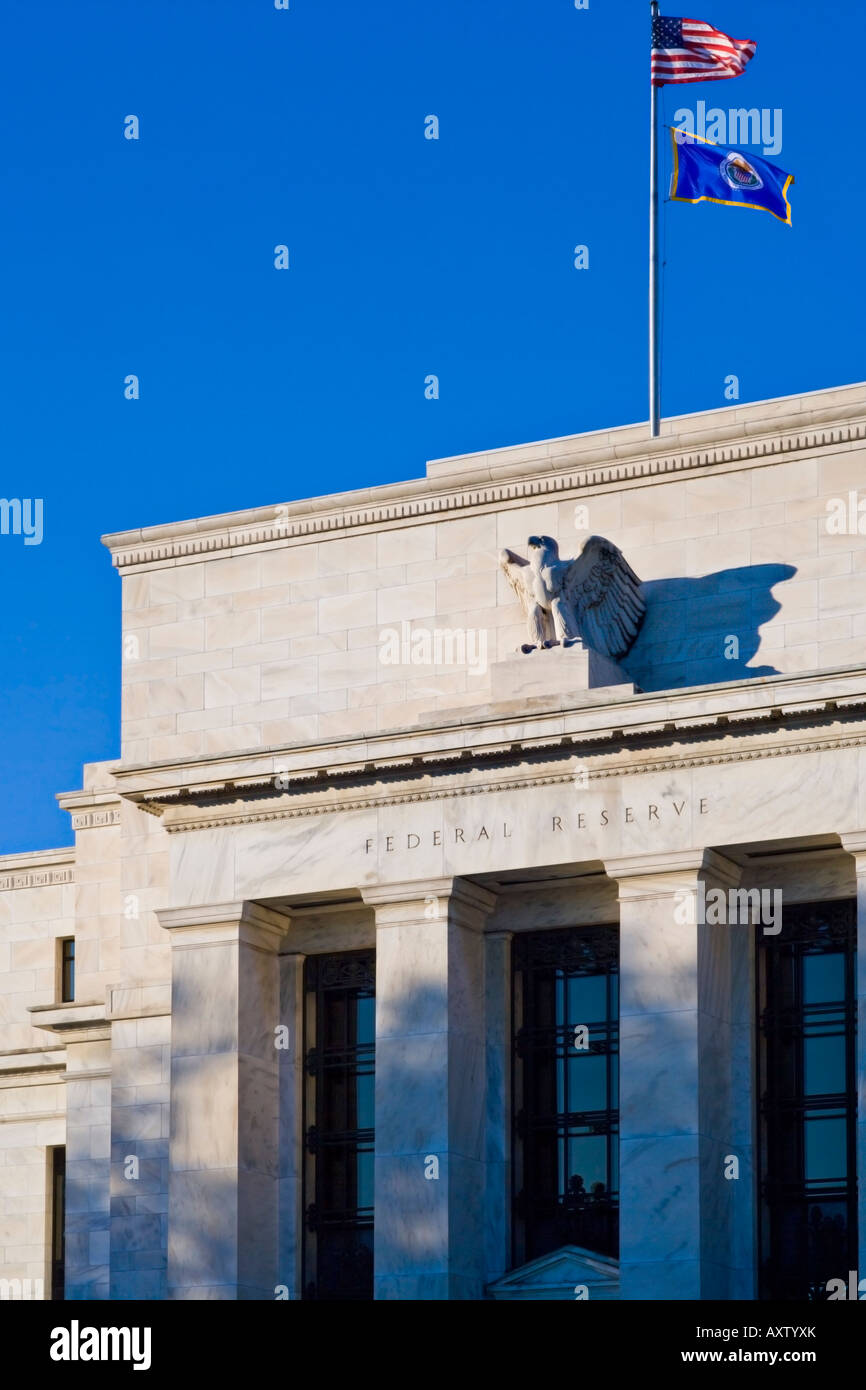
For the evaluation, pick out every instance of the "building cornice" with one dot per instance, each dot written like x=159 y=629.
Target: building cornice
x=90 y=810
x=510 y=478
x=37 y=869
x=740 y=722
x=242 y=810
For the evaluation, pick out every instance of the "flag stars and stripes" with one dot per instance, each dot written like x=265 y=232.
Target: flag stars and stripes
x=690 y=50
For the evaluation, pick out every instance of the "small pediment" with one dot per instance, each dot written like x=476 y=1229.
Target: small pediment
x=558 y=1276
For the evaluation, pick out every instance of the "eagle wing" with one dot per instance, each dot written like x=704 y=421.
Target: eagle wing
x=513 y=567
x=606 y=597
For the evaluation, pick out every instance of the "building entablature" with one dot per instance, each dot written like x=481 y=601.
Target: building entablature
x=504 y=748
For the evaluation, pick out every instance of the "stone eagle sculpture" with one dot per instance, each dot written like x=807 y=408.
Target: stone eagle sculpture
x=595 y=599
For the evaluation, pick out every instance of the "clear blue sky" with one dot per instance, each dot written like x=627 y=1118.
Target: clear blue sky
x=408 y=257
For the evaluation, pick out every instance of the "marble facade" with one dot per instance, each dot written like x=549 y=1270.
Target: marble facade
x=281 y=792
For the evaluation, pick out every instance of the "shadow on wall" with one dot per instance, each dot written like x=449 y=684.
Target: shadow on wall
x=700 y=631
x=415 y=1069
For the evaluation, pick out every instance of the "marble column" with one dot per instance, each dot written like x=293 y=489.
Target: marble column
x=855 y=844
x=86 y=1033
x=686 y=1083
x=498 y=1031
x=223 y=1146
x=291 y=1132
x=88 y=1166
x=430 y=1089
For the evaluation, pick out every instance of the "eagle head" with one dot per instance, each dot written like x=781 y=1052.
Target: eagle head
x=543 y=550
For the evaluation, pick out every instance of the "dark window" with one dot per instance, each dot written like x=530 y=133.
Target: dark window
x=67 y=969
x=806 y=1002
x=566 y=1091
x=340 y=1023
x=57 y=1161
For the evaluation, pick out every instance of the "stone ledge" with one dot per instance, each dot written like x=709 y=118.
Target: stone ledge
x=27 y=1060
x=33 y=1117
x=507 y=733
x=39 y=869
x=555 y=467
x=79 y=1022
x=780 y=412
x=557 y=671
x=90 y=810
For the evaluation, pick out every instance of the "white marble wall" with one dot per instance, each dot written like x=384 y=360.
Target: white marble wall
x=56 y=1090
x=32 y=1121
x=32 y=919
x=279 y=643
x=34 y=913
x=813 y=794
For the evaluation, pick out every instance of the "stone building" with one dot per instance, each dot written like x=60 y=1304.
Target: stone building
x=390 y=961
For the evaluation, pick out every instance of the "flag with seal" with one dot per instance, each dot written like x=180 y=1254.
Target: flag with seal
x=708 y=173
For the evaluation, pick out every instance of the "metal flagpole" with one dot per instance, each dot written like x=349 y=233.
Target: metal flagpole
x=654 y=257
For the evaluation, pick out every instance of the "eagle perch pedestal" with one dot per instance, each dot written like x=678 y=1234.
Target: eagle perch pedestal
x=582 y=617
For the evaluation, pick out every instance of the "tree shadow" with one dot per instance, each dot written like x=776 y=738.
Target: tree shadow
x=706 y=630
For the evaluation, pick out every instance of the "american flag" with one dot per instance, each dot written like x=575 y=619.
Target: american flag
x=688 y=50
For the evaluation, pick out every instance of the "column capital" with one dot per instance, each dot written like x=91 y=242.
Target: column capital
x=661 y=873
x=210 y=923
x=854 y=841
x=467 y=904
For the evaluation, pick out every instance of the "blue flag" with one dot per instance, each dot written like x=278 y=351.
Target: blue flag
x=708 y=173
